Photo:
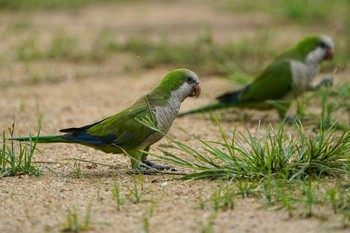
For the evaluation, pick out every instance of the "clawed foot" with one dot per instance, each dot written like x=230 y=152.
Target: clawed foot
x=151 y=165
x=150 y=168
x=327 y=81
x=291 y=120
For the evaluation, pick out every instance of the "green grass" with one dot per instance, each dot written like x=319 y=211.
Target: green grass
x=305 y=11
x=135 y=193
x=309 y=198
x=313 y=10
x=49 y=4
x=222 y=198
x=74 y=224
x=270 y=153
x=208 y=225
x=17 y=160
x=202 y=54
x=334 y=101
x=303 y=171
x=77 y=170
x=317 y=198
x=239 y=61
x=117 y=196
x=61 y=47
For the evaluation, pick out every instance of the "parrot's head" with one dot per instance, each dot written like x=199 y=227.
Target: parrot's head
x=316 y=49
x=181 y=83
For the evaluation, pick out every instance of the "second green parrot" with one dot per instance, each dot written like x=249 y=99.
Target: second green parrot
x=288 y=76
x=125 y=131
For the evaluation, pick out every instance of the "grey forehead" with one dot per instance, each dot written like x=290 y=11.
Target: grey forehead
x=192 y=74
x=327 y=40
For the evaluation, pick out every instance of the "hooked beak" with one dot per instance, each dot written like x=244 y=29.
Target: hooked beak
x=330 y=54
x=196 y=91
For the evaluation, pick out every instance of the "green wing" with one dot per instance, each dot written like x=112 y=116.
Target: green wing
x=125 y=126
x=272 y=84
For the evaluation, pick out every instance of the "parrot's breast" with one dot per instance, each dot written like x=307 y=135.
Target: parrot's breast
x=303 y=75
x=165 y=115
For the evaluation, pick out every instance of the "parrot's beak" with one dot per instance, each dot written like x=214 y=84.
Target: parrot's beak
x=196 y=91
x=330 y=54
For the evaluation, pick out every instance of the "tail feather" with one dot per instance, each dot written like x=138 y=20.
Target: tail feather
x=206 y=108
x=226 y=100
x=42 y=139
x=230 y=97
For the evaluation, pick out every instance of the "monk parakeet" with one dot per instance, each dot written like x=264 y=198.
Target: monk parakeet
x=125 y=131
x=289 y=75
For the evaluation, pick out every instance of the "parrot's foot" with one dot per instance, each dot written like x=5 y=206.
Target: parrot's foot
x=151 y=165
x=142 y=171
x=290 y=120
x=150 y=168
x=326 y=82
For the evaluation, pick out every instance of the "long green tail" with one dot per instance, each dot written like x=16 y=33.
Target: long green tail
x=42 y=139
x=207 y=108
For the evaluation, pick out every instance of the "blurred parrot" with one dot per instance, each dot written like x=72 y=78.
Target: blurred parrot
x=124 y=132
x=288 y=76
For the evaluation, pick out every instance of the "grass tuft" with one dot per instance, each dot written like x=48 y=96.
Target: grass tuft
x=74 y=224
x=295 y=155
x=17 y=160
x=116 y=194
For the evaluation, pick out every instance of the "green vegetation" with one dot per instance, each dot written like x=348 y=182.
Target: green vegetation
x=135 y=193
x=238 y=61
x=200 y=54
x=116 y=194
x=334 y=102
x=74 y=224
x=77 y=170
x=222 y=198
x=306 y=11
x=304 y=172
x=48 y=4
x=208 y=225
x=17 y=160
x=291 y=155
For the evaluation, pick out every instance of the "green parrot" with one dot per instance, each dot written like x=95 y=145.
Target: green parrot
x=125 y=131
x=288 y=76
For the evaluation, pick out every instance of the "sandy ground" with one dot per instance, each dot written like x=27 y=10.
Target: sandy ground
x=39 y=204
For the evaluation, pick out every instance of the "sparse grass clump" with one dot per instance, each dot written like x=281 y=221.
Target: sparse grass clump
x=47 y=4
x=117 y=196
x=308 y=11
x=74 y=224
x=135 y=193
x=17 y=160
x=200 y=54
x=334 y=102
x=311 y=10
x=304 y=172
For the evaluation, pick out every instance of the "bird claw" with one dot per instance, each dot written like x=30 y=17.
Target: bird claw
x=149 y=168
x=151 y=165
x=327 y=81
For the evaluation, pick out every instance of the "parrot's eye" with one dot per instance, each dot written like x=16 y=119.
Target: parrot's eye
x=190 y=80
x=323 y=45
